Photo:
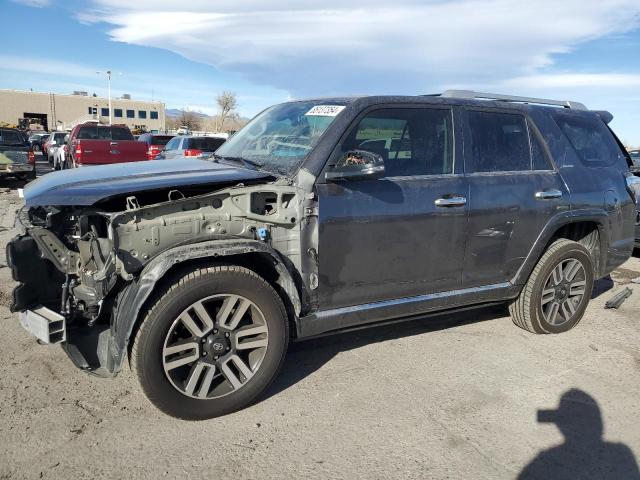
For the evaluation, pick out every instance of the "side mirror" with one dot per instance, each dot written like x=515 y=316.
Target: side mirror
x=357 y=164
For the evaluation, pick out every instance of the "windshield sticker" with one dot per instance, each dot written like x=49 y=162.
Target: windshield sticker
x=326 y=110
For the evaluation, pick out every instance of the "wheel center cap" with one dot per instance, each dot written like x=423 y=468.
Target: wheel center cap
x=216 y=345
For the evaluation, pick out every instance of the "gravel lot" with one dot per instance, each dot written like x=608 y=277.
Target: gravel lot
x=448 y=397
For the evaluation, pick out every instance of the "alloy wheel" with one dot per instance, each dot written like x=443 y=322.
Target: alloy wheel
x=215 y=346
x=563 y=291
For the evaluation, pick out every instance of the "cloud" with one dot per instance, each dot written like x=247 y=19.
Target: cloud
x=33 y=3
x=575 y=80
x=407 y=46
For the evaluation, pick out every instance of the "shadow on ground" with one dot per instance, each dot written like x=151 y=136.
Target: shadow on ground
x=305 y=357
x=584 y=453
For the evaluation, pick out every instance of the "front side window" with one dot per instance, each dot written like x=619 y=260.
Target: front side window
x=590 y=138
x=280 y=138
x=411 y=141
x=499 y=142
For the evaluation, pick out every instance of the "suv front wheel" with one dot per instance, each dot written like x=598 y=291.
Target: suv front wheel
x=211 y=343
x=556 y=295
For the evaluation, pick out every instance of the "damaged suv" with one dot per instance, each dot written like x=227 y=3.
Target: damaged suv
x=319 y=216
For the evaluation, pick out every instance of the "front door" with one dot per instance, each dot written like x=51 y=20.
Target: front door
x=402 y=235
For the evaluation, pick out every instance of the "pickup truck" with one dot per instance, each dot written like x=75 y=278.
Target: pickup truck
x=16 y=155
x=94 y=144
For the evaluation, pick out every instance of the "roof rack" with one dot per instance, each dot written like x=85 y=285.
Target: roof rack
x=470 y=94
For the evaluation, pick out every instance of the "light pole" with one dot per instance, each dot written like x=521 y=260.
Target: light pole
x=108 y=72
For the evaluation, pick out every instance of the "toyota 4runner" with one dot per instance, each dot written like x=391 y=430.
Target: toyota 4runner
x=319 y=216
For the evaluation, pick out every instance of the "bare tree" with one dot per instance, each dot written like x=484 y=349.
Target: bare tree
x=227 y=101
x=189 y=119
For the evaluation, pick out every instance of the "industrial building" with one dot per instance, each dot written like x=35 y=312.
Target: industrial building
x=61 y=112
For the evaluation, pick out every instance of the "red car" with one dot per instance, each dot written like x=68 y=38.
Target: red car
x=95 y=144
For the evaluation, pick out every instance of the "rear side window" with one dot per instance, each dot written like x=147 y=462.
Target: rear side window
x=499 y=142
x=206 y=144
x=591 y=139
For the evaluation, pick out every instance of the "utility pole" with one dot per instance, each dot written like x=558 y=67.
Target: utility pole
x=108 y=73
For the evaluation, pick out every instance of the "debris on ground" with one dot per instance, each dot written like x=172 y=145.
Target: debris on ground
x=618 y=298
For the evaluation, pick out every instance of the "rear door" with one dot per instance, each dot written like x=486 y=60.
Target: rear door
x=514 y=190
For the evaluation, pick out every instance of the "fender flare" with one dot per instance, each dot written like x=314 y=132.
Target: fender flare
x=133 y=296
x=597 y=216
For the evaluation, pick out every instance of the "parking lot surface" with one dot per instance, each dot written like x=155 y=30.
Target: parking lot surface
x=444 y=397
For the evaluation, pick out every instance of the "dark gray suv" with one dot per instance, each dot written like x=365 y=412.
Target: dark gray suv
x=318 y=216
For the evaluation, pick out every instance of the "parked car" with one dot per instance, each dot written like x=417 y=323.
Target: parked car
x=635 y=158
x=60 y=154
x=319 y=216
x=155 y=143
x=95 y=144
x=37 y=139
x=55 y=138
x=190 y=146
x=16 y=155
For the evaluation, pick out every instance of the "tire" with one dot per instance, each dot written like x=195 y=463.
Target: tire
x=195 y=390
x=551 y=283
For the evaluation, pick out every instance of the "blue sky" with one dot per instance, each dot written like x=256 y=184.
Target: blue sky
x=184 y=53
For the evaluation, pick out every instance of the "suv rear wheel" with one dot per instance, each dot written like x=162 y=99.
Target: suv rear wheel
x=211 y=343
x=556 y=295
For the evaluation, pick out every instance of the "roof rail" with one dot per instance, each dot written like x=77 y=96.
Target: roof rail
x=470 y=94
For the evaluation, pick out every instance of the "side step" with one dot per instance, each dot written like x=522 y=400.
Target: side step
x=48 y=326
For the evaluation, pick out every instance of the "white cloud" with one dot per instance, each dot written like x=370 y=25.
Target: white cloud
x=407 y=46
x=34 y=3
x=575 y=80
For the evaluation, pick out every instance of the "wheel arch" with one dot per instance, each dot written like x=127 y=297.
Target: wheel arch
x=587 y=227
x=254 y=255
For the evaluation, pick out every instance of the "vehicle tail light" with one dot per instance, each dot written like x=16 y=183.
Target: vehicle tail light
x=32 y=157
x=192 y=152
x=78 y=152
x=153 y=152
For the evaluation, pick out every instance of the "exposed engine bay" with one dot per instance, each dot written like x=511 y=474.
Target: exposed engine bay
x=90 y=251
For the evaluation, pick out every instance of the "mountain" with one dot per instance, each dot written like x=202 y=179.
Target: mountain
x=176 y=112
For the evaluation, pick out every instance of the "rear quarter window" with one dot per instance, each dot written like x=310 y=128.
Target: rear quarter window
x=591 y=139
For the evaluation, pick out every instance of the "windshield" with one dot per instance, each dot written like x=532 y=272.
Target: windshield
x=281 y=137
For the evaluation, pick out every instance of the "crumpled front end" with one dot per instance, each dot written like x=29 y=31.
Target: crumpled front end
x=74 y=264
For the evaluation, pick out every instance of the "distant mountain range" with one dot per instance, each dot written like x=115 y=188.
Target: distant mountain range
x=176 y=112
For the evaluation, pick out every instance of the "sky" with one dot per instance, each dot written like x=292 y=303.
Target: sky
x=268 y=51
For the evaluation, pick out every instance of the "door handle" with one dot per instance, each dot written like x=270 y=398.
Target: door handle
x=547 y=194
x=450 y=202
x=114 y=143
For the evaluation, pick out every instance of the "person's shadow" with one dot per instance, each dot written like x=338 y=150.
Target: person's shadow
x=584 y=454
